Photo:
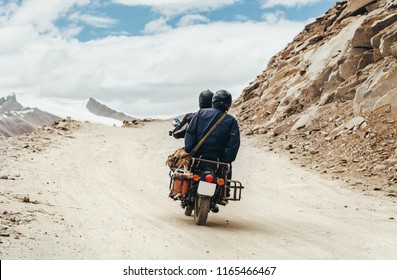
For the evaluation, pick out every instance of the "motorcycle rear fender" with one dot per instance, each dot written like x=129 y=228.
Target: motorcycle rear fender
x=207 y=189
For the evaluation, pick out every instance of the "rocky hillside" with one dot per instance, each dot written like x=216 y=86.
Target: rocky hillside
x=330 y=97
x=16 y=119
x=100 y=109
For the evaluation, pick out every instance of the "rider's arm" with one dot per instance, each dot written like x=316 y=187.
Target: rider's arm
x=186 y=119
x=191 y=134
x=233 y=144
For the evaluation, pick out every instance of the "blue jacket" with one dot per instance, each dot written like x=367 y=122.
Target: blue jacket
x=223 y=142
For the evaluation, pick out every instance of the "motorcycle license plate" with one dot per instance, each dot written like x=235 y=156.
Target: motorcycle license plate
x=205 y=188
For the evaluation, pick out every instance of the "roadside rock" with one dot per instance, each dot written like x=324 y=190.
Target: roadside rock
x=354 y=123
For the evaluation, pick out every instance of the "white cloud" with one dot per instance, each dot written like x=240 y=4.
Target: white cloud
x=242 y=18
x=273 y=18
x=71 y=31
x=6 y=10
x=96 y=21
x=176 y=7
x=288 y=3
x=156 y=26
x=157 y=74
x=41 y=13
x=192 y=19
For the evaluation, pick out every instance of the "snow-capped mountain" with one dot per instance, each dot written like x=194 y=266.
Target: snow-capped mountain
x=22 y=112
x=16 y=119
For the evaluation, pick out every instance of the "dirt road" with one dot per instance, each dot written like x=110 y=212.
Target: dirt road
x=104 y=195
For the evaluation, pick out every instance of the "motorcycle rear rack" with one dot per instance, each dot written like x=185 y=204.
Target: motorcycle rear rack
x=234 y=186
x=235 y=190
x=196 y=161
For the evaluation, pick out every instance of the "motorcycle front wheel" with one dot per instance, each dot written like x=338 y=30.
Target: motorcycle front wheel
x=188 y=210
x=201 y=209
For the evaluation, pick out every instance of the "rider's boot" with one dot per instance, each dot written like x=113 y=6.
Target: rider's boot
x=223 y=201
x=215 y=209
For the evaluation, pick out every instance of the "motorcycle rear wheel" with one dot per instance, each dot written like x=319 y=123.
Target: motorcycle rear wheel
x=201 y=209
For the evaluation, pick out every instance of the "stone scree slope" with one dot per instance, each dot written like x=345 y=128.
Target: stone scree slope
x=330 y=97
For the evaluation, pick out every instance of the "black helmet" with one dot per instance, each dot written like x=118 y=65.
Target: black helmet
x=205 y=99
x=222 y=100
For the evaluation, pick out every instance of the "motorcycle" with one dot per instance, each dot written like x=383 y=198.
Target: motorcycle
x=203 y=186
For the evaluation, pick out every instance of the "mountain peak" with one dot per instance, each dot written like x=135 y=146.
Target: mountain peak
x=97 y=108
x=10 y=103
x=15 y=119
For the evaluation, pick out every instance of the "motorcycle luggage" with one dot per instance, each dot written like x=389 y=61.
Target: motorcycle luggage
x=179 y=159
x=180 y=183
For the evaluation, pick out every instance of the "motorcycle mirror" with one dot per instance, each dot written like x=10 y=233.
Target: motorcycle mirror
x=176 y=122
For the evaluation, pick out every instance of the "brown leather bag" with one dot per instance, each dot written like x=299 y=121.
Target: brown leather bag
x=179 y=159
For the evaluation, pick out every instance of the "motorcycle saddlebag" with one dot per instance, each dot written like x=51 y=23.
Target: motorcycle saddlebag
x=180 y=183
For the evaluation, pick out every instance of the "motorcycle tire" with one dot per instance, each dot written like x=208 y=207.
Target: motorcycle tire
x=201 y=209
x=188 y=210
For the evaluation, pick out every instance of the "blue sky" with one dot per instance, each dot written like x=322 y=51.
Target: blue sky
x=130 y=20
x=144 y=57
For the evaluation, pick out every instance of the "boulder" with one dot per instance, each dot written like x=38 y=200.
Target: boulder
x=347 y=91
x=375 y=79
x=366 y=59
x=386 y=43
x=386 y=83
x=284 y=127
x=315 y=39
x=306 y=118
x=385 y=101
x=367 y=105
x=356 y=7
x=301 y=47
x=375 y=42
x=349 y=66
x=362 y=38
x=331 y=85
x=354 y=123
x=248 y=91
x=381 y=24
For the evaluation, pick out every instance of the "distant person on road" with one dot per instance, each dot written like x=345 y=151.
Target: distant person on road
x=205 y=101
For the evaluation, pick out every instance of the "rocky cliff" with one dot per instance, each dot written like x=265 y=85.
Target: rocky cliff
x=330 y=97
x=16 y=119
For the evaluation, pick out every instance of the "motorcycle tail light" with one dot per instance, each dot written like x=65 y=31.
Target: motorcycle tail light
x=220 y=182
x=209 y=178
x=196 y=178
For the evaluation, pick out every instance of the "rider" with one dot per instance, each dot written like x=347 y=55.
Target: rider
x=224 y=142
x=205 y=101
